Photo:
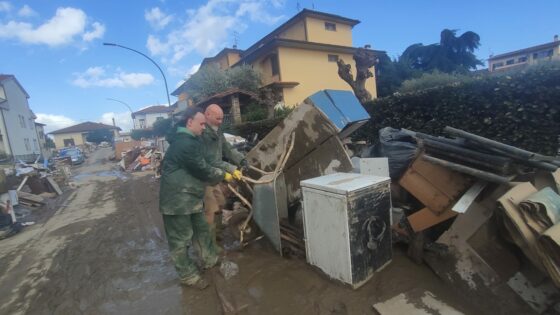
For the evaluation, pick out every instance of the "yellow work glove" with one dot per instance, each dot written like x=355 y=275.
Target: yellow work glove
x=227 y=177
x=237 y=174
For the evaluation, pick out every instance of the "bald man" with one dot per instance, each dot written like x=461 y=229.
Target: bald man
x=218 y=153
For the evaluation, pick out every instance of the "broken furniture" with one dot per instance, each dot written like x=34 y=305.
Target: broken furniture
x=347 y=220
x=317 y=125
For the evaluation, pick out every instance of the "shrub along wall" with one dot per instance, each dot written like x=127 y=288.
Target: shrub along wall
x=519 y=108
x=247 y=129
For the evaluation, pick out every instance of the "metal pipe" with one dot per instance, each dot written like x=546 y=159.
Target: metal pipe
x=491 y=177
x=510 y=150
x=493 y=159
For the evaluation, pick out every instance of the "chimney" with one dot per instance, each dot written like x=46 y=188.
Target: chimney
x=235 y=46
x=555 y=38
x=114 y=125
x=367 y=46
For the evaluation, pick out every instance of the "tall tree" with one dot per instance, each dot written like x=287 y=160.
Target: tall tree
x=211 y=80
x=451 y=54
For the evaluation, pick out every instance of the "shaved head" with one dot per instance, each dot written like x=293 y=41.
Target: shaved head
x=214 y=115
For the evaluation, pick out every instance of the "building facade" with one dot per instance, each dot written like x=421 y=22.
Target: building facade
x=298 y=58
x=76 y=135
x=18 y=134
x=40 y=128
x=527 y=56
x=146 y=117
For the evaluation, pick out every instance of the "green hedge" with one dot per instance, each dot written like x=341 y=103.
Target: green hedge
x=261 y=127
x=519 y=108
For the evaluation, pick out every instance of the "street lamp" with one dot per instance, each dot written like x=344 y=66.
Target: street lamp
x=161 y=71
x=127 y=106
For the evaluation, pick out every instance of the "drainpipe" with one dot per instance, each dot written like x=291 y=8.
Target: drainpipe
x=7 y=136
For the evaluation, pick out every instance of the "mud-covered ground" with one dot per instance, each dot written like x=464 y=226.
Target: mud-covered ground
x=103 y=251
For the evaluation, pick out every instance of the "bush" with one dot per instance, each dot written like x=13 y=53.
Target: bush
x=247 y=129
x=283 y=111
x=138 y=134
x=254 y=112
x=520 y=108
x=432 y=80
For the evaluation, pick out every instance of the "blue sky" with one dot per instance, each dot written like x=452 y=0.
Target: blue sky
x=55 y=50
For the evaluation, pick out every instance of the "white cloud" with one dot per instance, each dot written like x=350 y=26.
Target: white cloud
x=26 y=11
x=157 y=18
x=209 y=27
x=97 y=32
x=54 y=122
x=61 y=29
x=5 y=6
x=122 y=120
x=193 y=70
x=97 y=77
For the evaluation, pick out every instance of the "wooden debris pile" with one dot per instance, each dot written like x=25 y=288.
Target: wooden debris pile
x=141 y=159
x=482 y=158
x=484 y=212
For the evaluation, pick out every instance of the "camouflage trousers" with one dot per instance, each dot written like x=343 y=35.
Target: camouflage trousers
x=184 y=231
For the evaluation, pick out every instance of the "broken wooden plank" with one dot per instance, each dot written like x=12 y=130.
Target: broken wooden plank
x=22 y=183
x=23 y=196
x=54 y=185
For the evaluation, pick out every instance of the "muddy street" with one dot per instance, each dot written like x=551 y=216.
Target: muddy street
x=104 y=251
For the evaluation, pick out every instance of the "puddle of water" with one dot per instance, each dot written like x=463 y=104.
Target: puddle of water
x=118 y=174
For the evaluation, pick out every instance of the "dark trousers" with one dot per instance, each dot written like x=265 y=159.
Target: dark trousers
x=184 y=231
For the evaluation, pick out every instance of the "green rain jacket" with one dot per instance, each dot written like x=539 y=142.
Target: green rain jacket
x=217 y=149
x=185 y=174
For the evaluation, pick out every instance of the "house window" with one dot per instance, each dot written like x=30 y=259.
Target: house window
x=30 y=123
x=333 y=58
x=22 y=121
x=2 y=94
x=543 y=54
x=159 y=118
x=41 y=135
x=497 y=65
x=27 y=144
x=274 y=64
x=142 y=123
x=522 y=59
x=510 y=62
x=330 y=26
x=35 y=144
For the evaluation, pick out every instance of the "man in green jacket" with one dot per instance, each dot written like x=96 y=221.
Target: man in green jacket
x=217 y=150
x=185 y=174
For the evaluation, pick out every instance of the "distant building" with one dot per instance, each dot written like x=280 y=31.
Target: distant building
x=295 y=60
x=145 y=118
x=76 y=135
x=40 y=128
x=526 y=56
x=18 y=134
x=124 y=137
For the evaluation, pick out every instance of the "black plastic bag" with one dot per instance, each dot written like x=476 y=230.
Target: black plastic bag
x=398 y=146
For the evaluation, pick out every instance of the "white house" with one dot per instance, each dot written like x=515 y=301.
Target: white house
x=18 y=134
x=146 y=117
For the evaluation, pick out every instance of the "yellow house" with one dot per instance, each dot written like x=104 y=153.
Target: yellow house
x=76 y=135
x=526 y=56
x=298 y=58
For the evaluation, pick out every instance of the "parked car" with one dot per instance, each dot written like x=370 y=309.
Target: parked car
x=104 y=144
x=74 y=153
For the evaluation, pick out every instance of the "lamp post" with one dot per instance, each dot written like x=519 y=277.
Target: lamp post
x=161 y=71
x=127 y=106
